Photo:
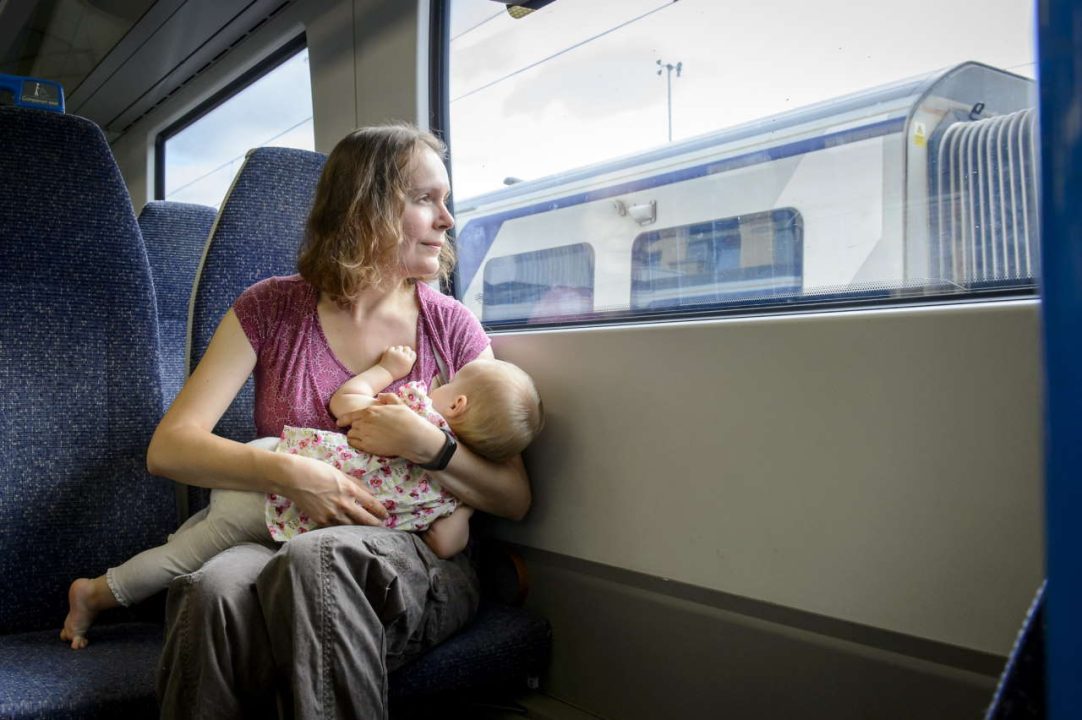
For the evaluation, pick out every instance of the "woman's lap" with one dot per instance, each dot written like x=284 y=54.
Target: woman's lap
x=212 y=621
x=335 y=609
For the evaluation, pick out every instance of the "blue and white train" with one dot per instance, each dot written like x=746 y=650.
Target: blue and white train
x=927 y=184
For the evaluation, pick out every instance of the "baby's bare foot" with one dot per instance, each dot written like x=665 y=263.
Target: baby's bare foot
x=83 y=608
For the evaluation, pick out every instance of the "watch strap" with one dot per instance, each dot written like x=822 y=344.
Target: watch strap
x=445 y=454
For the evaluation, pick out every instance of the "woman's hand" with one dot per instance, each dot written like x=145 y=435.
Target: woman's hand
x=327 y=495
x=391 y=429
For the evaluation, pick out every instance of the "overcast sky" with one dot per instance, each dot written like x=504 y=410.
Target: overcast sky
x=741 y=62
x=276 y=110
x=576 y=82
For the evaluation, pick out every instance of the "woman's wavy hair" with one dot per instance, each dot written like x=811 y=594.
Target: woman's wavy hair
x=355 y=226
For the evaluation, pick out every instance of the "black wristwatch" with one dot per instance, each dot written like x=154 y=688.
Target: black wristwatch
x=445 y=453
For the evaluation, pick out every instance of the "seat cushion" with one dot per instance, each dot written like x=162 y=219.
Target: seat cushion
x=501 y=647
x=113 y=677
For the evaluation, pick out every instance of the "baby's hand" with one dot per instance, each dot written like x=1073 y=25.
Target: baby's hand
x=398 y=360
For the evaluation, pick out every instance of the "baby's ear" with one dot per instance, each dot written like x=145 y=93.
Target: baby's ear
x=458 y=406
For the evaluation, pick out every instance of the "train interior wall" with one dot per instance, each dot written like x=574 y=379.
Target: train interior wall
x=823 y=515
x=817 y=516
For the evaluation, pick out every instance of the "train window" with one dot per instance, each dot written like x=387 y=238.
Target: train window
x=540 y=286
x=862 y=155
x=748 y=258
x=198 y=157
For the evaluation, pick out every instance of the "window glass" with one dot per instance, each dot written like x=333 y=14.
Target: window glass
x=754 y=257
x=885 y=150
x=275 y=110
x=552 y=284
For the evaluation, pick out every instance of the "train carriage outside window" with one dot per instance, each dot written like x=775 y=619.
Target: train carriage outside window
x=893 y=157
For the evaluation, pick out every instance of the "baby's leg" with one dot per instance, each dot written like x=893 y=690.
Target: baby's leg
x=233 y=517
x=86 y=598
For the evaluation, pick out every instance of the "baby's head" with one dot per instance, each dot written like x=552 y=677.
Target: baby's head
x=493 y=407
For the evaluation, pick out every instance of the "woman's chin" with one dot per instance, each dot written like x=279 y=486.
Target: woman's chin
x=422 y=270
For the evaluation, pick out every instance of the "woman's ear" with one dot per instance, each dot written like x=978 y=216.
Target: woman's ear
x=458 y=406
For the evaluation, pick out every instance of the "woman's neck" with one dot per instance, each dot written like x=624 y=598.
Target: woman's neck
x=374 y=301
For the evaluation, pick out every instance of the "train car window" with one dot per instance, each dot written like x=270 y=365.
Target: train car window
x=540 y=286
x=743 y=259
x=198 y=157
x=721 y=158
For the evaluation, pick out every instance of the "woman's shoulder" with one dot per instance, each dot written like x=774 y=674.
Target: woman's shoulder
x=279 y=290
x=271 y=302
x=279 y=285
x=454 y=328
x=435 y=301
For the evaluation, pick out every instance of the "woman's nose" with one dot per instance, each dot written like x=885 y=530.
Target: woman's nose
x=446 y=219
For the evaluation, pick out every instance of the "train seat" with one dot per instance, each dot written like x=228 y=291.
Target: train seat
x=1020 y=693
x=175 y=234
x=80 y=395
x=257 y=233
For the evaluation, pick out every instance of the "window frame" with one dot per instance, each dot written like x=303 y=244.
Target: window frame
x=867 y=298
x=240 y=83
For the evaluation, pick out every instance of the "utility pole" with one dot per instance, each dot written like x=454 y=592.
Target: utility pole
x=669 y=67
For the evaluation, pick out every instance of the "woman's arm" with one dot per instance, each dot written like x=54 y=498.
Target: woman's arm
x=393 y=430
x=183 y=447
x=359 y=391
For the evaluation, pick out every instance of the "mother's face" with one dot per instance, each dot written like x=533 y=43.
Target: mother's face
x=425 y=217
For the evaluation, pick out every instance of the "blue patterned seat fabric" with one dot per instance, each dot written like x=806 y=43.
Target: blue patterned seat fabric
x=259 y=229
x=175 y=234
x=80 y=395
x=1020 y=694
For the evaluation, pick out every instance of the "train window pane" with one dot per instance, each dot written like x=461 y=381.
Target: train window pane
x=541 y=286
x=863 y=154
x=202 y=157
x=750 y=258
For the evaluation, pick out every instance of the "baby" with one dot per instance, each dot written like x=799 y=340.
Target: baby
x=491 y=406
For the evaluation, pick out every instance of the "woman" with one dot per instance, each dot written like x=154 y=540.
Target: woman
x=315 y=626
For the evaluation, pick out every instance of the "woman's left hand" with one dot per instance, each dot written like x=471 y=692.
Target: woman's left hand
x=391 y=429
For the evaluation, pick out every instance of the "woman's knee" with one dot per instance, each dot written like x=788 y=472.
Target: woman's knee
x=224 y=582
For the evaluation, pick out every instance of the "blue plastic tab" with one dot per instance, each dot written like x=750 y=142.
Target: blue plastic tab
x=31 y=92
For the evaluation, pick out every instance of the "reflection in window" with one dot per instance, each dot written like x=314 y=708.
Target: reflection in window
x=742 y=258
x=545 y=285
x=203 y=157
x=892 y=158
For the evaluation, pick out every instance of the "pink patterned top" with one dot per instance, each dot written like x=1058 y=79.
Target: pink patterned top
x=296 y=373
x=413 y=498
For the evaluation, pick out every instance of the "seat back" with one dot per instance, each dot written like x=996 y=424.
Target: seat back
x=175 y=235
x=80 y=392
x=257 y=234
x=1020 y=693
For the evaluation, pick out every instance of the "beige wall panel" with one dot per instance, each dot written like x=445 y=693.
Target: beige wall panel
x=880 y=467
